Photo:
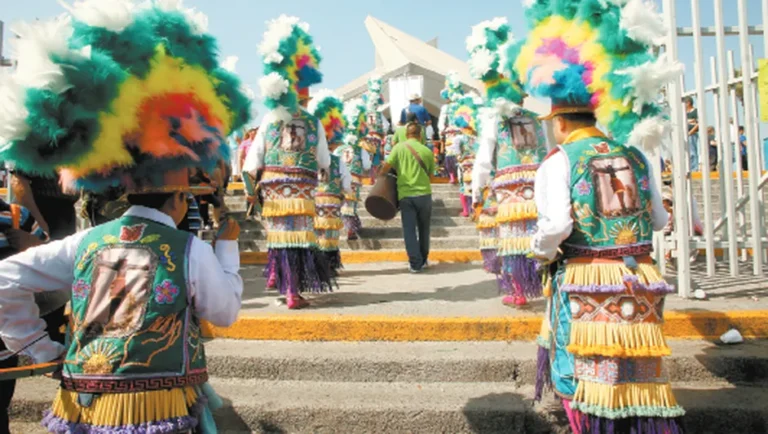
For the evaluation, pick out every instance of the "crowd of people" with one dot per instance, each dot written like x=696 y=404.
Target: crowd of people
x=736 y=139
x=145 y=136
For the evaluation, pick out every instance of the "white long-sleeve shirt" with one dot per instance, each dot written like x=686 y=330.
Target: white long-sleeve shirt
x=442 y=119
x=346 y=176
x=481 y=171
x=552 y=194
x=214 y=286
x=254 y=160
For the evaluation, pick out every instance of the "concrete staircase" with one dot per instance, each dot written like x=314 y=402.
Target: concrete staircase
x=434 y=387
x=449 y=231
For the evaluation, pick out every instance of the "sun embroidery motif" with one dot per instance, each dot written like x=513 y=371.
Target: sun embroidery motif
x=131 y=234
x=166 y=292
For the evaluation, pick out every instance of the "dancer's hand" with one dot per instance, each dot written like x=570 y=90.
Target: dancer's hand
x=229 y=230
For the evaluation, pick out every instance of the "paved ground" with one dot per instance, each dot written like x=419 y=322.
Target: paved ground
x=450 y=290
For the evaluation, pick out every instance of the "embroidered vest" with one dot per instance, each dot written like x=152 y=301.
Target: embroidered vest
x=520 y=141
x=611 y=199
x=331 y=185
x=352 y=157
x=293 y=144
x=132 y=328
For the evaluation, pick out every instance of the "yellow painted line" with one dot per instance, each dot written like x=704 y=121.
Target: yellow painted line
x=678 y=325
x=373 y=256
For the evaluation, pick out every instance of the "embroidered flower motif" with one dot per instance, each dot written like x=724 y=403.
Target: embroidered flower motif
x=81 y=289
x=312 y=138
x=273 y=134
x=166 y=292
x=644 y=184
x=602 y=148
x=504 y=134
x=131 y=234
x=583 y=187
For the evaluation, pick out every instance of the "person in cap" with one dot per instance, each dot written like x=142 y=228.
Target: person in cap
x=133 y=97
x=290 y=149
x=358 y=162
x=511 y=146
x=334 y=184
x=376 y=125
x=416 y=107
x=598 y=208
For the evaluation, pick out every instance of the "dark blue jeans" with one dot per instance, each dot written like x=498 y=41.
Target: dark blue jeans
x=416 y=215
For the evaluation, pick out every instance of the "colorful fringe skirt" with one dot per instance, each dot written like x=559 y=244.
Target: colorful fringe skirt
x=489 y=235
x=328 y=223
x=293 y=257
x=516 y=218
x=158 y=411
x=606 y=346
x=465 y=175
x=349 y=215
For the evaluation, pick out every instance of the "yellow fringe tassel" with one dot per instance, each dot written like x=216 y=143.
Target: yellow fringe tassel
x=515 y=244
x=328 y=223
x=328 y=244
x=288 y=207
x=327 y=200
x=547 y=287
x=619 y=396
x=513 y=176
x=118 y=409
x=617 y=340
x=352 y=197
x=291 y=238
x=486 y=221
x=609 y=273
x=512 y=212
x=489 y=243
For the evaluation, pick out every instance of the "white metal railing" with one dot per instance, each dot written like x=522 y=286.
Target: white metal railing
x=741 y=206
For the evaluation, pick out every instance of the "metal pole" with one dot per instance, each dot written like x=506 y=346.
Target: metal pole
x=706 y=180
x=734 y=144
x=679 y=163
x=726 y=173
x=753 y=161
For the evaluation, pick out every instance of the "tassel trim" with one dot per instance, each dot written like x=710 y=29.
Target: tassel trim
x=617 y=340
x=513 y=212
x=486 y=222
x=626 y=400
x=543 y=373
x=160 y=411
x=514 y=246
x=327 y=245
x=288 y=207
x=327 y=200
x=294 y=239
x=489 y=244
x=328 y=223
x=613 y=277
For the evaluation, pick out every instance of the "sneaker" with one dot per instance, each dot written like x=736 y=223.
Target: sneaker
x=509 y=300
x=425 y=266
x=272 y=283
x=296 y=303
x=415 y=270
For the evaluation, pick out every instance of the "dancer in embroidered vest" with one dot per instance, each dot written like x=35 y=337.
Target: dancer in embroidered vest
x=512 y=144
x=334 y=184
x=451 y=93
x=357 y=160
x=598 y=206
x=488 y=229
x=290 y=149
x=130 y=97
x=376 y=126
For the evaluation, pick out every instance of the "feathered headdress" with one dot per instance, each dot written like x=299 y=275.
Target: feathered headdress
x=464 y=114
x=291 y=65
x=372 y=98
x=453 y=90
x=490 y=47
x=115 y=95
x=354 y=114
x=594 y=55
x=329 y=109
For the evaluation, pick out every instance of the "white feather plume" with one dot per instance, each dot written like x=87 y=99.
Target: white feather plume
x=280 y=114
x=648 y=78
x=321 y=95
x=481 y=62
x=33 y=48
x=197 y=19
x=528 y=3
x=113 y=15
x=642 y=23
x=352 y=109
x=277 y=30
x=350 y=139
x=477 y=37
x=505 y=107
x=503 y=56
x=273 y=85
x=649 y=133
x=230 y=63
x=496 y=23
x=248 y=91
x=13 y=112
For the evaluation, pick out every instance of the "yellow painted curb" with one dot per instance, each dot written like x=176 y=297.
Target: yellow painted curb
x=678 y=325
x=373 y=256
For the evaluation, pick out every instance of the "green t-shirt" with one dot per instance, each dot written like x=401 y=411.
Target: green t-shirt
x=412 y=180
x=400 y=136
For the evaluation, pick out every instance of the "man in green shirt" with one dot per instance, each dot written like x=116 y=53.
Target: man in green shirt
x=414 y=191
x=400 y=135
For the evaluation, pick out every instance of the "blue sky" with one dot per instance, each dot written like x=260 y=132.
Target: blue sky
x=337 y=26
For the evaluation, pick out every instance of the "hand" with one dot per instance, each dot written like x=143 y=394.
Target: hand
x=251 y=199
x=21 y=240
x=229 y=230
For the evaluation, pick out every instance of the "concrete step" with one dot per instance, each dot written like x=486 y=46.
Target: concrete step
x=449 y=242
x=367 y=233
x=427 y=362
x=331 y=407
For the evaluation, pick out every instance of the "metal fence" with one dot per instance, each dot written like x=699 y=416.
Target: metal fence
x=740 y=231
